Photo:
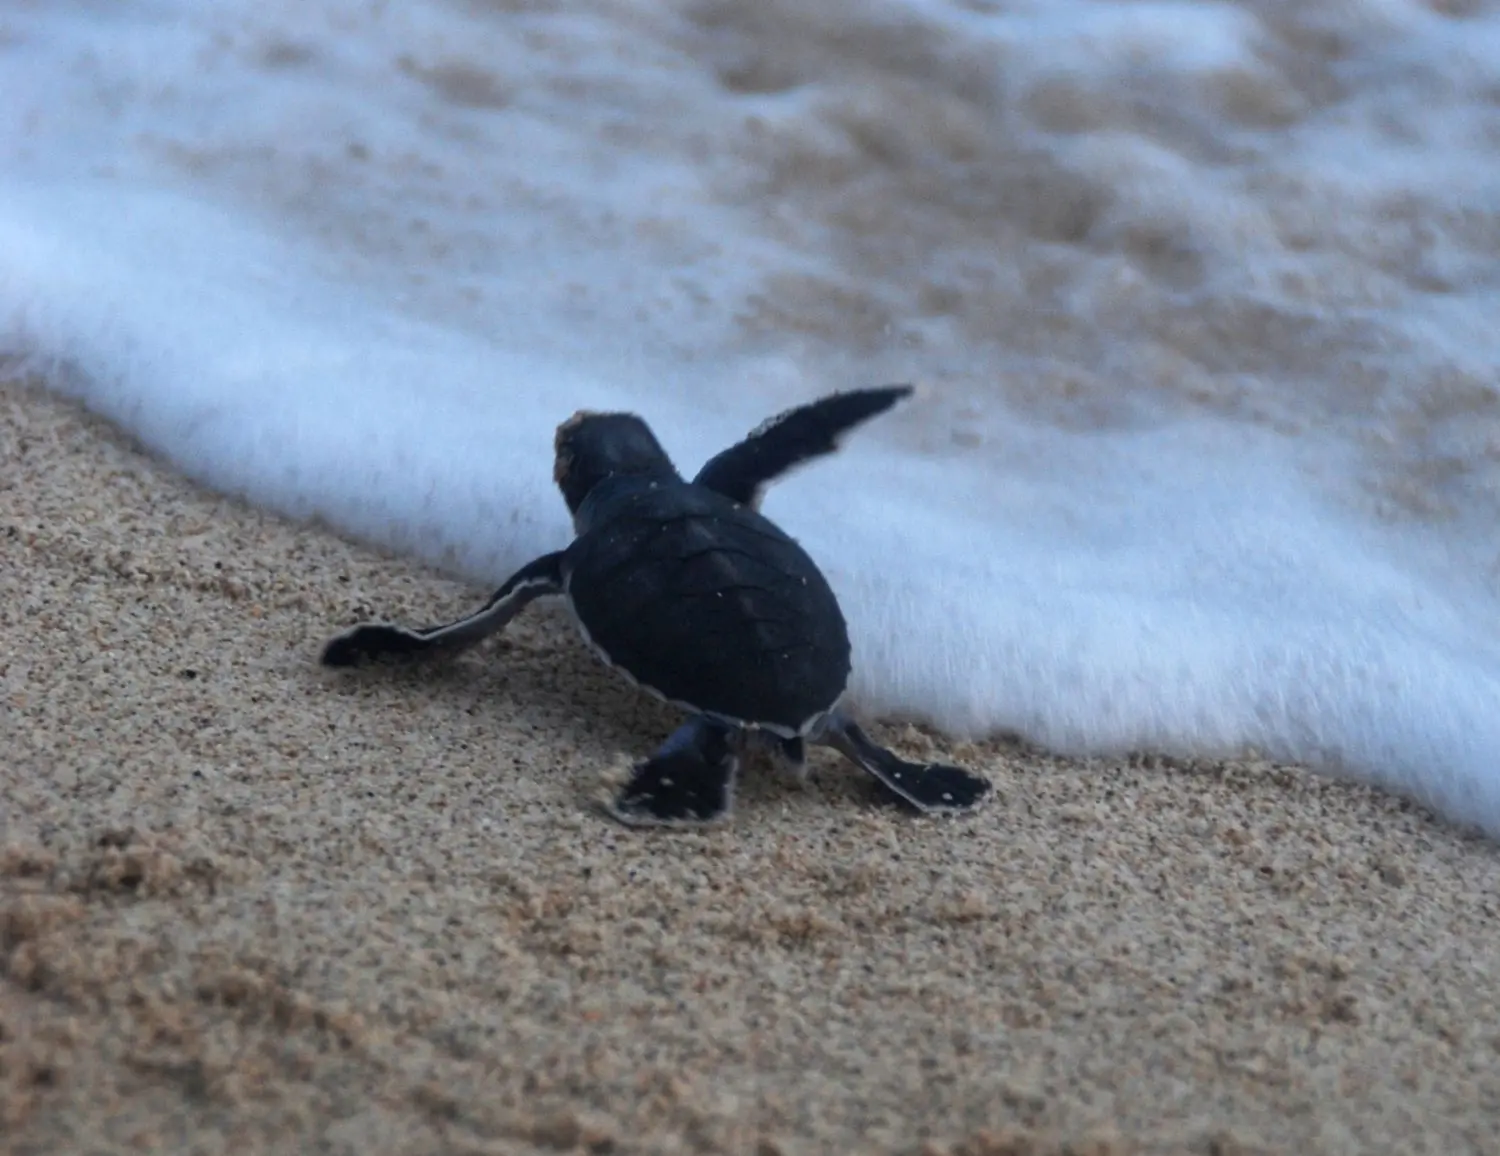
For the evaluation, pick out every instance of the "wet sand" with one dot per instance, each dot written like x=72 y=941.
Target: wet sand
x=247 y=906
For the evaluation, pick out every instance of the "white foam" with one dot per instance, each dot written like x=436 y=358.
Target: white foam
x=1202 y=305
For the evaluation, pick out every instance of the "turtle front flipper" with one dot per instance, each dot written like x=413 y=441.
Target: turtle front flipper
x=376 y=641
x=929 y=787
x=689 y=782
x=791 y=438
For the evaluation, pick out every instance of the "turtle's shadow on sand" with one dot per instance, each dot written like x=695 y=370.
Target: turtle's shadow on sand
x=504 y=675
x=556 y=682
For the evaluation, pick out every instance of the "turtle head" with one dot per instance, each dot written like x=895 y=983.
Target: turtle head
x=592 y=447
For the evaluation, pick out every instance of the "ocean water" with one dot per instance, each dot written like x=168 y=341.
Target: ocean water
x=1204 y=299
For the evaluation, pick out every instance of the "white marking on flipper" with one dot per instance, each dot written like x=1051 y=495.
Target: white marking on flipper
x=844 y=735
x=541 y=577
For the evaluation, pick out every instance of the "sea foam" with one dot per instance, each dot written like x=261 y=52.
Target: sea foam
x=1201 y=299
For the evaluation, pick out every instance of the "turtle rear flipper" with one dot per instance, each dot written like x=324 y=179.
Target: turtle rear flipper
x=383 y=641
x=929 y=787
x=742 y=471
x=689 y=782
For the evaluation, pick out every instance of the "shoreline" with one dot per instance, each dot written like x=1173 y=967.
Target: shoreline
x=246 y=905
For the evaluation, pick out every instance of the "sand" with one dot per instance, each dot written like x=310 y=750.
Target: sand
x=249 y=906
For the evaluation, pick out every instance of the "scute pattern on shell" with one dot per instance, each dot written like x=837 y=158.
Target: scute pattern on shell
x=707 y=603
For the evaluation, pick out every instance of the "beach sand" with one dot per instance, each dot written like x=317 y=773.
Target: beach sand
x=249 y=906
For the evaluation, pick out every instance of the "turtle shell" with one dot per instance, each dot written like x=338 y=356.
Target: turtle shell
x=711 y=606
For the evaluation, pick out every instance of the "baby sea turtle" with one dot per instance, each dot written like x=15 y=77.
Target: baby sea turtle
x=692 y=594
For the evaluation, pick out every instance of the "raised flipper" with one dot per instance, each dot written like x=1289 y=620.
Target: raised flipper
x=689 y=782
x=929 y=787
x=375 y=641
x=742 y=471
